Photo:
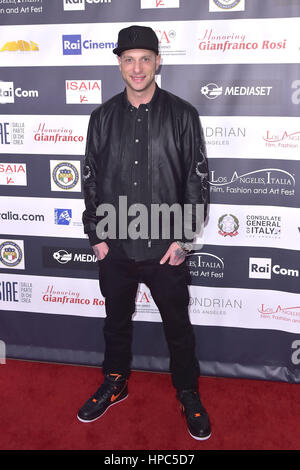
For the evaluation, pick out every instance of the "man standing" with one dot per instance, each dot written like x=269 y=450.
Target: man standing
x=147 y=145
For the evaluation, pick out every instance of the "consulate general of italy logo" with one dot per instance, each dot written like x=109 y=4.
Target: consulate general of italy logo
x=228 y=225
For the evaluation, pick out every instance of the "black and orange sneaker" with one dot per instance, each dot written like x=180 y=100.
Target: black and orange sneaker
x=113 y=390
x=196 y=416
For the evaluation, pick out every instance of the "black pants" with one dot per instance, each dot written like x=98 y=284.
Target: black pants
x=119 y=279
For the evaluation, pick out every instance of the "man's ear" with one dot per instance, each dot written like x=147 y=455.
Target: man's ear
x=157 y=61
x=119 y=62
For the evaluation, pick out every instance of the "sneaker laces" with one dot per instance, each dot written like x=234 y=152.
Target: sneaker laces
x=111 y=383
x=191 y=403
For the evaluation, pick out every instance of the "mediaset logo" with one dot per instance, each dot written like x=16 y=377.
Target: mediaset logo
x=79 y=258
x=8 y=93
x=74 y=45
x=262 y=268
x=20 y=46
x=212 y=90
x=160 y=4
x=13 y=174
x=83 y=92
x=79 y=5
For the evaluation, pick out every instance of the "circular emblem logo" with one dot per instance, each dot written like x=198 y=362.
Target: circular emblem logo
x=226 y=4
x=62 y=256
x=10 y=254
x=211 y=91
x=65 y=175
x=228 y=225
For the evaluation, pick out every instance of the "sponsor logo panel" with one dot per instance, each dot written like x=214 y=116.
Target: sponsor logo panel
x=244 y=92
x=160 y=4
x=69 y=258
x=266 y=226
x=252 y=137
x=51 y=134
x=65 y=175
x=267 y=268
x=245 y=308
x=80 y=5
x=226 y=5
x=12 y=254
x=83 y=92
x=9 y=93
x=52 y=217
x=13 y=174
x=267 y=40
x=256 y=181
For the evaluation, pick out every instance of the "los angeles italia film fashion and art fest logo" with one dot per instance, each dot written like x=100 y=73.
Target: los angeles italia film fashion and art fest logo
x=264 y=181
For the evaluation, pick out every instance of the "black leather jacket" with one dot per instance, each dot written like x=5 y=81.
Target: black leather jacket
x=177 y=163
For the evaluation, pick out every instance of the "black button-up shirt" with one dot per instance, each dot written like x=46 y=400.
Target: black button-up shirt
x=135 y=186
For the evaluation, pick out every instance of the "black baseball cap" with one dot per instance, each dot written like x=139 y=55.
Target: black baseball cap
x=136 y=37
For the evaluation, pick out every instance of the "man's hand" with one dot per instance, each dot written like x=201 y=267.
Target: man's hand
x=175 y=253
x=101 y=250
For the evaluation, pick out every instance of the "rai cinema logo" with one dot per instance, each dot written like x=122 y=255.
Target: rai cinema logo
x=20 y=46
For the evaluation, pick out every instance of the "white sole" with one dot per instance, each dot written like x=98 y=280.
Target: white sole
x=200 y=438
x=95 y=419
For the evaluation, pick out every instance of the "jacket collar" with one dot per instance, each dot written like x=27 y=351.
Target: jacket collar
x=155 y=96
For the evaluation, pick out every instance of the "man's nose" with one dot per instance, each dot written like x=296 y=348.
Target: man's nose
x=137 y=66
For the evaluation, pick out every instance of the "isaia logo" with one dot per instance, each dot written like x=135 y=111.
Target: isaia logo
x=83 y=91
x=160 y=4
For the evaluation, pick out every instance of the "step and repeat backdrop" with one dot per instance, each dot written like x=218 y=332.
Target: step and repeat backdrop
x=237 y=62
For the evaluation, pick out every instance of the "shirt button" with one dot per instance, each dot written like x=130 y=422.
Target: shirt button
x=139 y=120
x=137 y=141
x=146 y=110
x=136 y=162
x=135 y=183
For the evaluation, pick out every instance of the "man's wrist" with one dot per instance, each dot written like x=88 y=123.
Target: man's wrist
x=186 y=247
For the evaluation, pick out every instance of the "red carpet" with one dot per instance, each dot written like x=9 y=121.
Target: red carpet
x=39 y=403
